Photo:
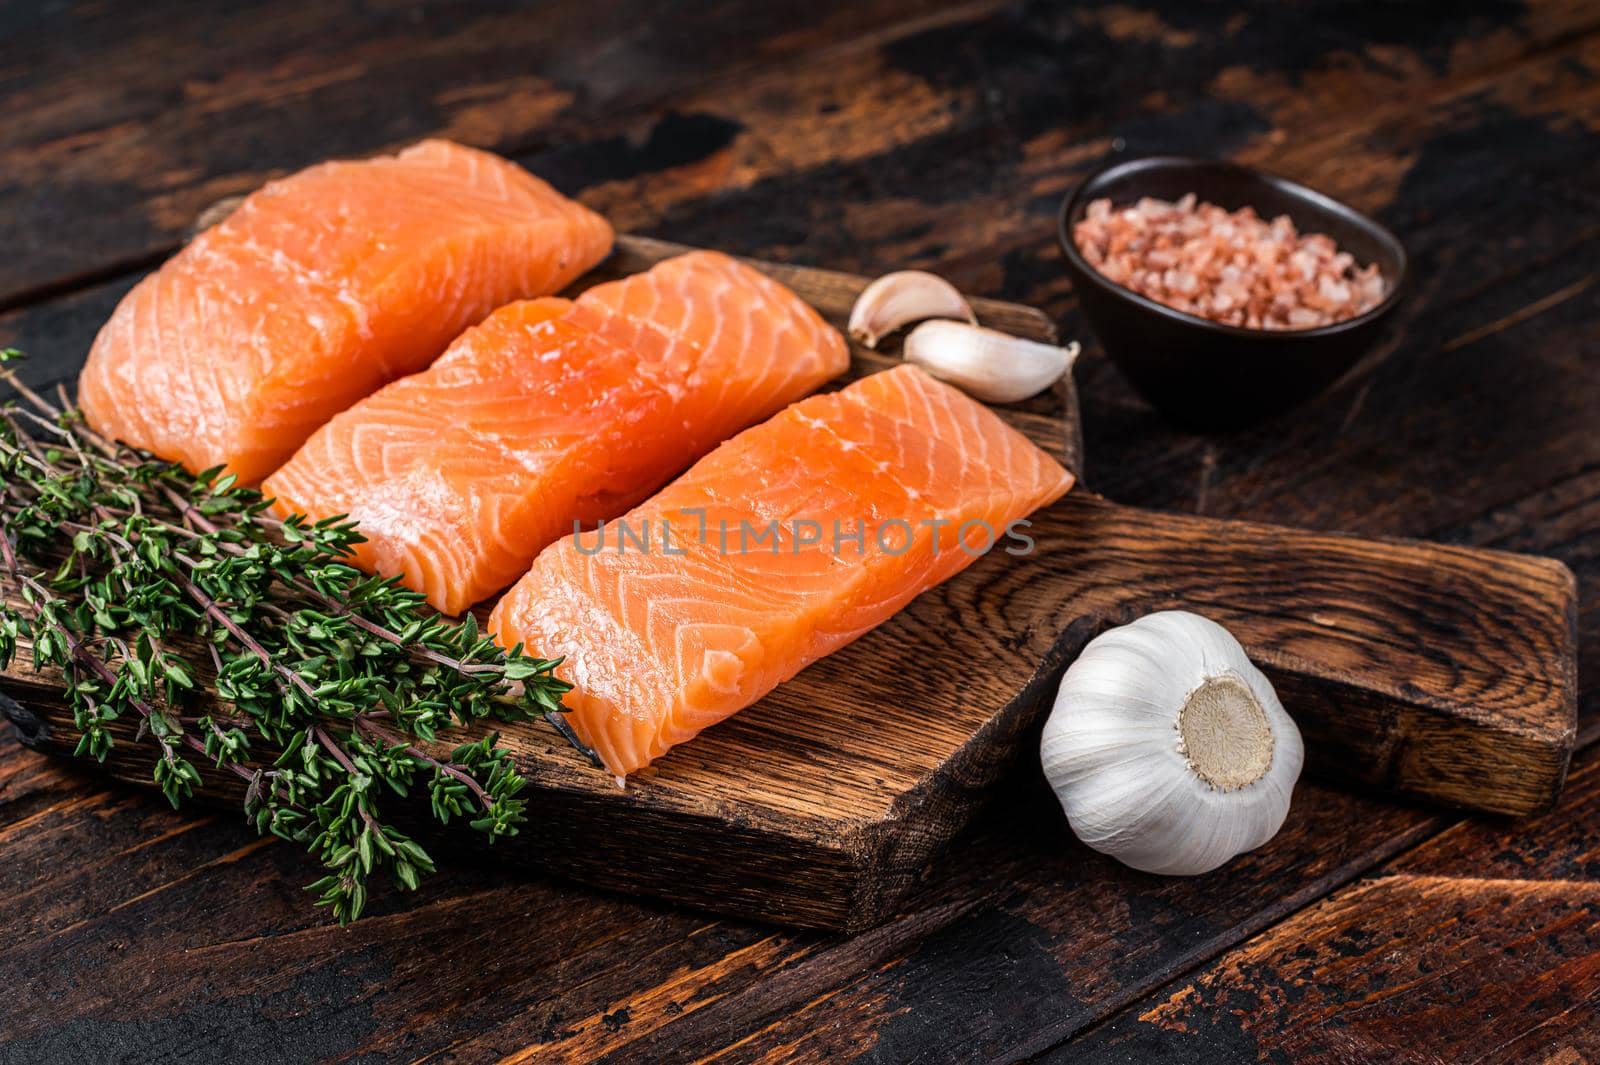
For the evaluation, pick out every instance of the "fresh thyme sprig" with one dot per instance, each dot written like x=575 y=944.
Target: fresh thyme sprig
x=147 y=585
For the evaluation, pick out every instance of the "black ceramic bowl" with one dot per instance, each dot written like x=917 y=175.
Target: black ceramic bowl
x=1202 y=374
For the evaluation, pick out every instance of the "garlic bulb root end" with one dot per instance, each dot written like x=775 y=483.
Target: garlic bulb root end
x=1168 y=749
x=1224 y=735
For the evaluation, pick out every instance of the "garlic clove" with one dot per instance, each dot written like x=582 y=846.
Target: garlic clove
x=1168 y=749
x=900 y=298
x=986 y=363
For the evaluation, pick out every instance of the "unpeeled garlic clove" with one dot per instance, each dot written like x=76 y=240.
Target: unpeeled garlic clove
x=1168 y=749
x=986 y=363
x=901 y=298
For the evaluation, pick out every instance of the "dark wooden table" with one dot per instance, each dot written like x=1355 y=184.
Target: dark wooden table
x=867 y=136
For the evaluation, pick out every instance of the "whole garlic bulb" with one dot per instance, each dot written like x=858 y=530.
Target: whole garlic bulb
x=1168 y=749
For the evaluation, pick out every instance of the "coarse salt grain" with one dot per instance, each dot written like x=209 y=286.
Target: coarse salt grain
x=1231 y=267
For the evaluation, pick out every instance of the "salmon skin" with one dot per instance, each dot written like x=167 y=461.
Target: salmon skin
x=748 y=567
x=317 y=290
x=553 y=412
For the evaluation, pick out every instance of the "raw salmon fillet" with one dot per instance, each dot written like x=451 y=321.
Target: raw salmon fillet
x=553 y=412
x=664 y=642
x=317 y=290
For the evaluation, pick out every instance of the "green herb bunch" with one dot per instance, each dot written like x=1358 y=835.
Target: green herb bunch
x=150 y=587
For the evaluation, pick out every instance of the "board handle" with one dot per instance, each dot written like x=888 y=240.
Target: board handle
x=1439 y=672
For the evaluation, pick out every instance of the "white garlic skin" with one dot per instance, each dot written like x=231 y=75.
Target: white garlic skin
x=898 y=299
x=985 y=363
x=1113 y=752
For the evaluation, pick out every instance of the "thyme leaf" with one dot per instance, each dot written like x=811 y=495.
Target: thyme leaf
x=150 y=587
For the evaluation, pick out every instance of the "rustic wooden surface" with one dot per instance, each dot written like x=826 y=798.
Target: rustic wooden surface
x=1435 y=672
x=868 y=136
x=834 y=812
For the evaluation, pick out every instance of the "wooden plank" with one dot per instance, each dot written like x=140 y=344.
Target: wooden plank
x=1482 y=944
x=744 y=109
x=255 y=955
x=487 y=962
x=1025 y=930
x=814 y=800
x=986 y=230
x=835 y=820
x=798 y=185
x=944 y=980
x=1500 y=244
x=118 y=125
x=1439 y=484
x=1016 y=937
x=841 y=836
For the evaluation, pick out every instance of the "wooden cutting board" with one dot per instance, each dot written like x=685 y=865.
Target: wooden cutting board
x=1439 y=673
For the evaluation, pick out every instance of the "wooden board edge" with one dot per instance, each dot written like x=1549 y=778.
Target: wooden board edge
x=1366 y=724
x=925 y=819
x=803 y=883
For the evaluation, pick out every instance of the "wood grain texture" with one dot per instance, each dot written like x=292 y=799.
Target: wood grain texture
x=1440 y=673
x=120 y=122
x=994 y=953
x=940 y=138
x=1482 y=920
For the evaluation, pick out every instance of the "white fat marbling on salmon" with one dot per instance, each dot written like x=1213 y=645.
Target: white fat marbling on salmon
x=659 y=647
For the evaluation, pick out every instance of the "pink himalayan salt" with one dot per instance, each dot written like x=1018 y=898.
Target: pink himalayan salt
x=1230 y=267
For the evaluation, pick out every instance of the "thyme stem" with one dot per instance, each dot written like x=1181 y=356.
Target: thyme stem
x=124 y=567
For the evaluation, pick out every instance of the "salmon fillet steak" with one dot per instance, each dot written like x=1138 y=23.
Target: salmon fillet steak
x=318 y=289
x=554 y=412
x=779 y=547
